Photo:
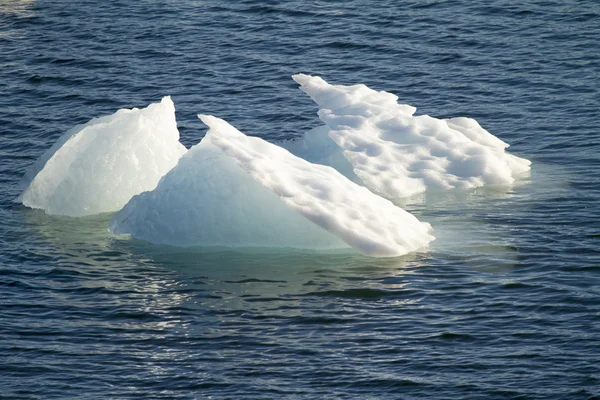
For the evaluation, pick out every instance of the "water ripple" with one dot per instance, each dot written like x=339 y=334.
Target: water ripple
x=503 y=305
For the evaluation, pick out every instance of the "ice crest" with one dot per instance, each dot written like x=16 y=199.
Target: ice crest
x=98 y=166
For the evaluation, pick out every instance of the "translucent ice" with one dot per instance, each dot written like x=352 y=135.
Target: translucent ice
x=235 y=190
x=97 y=167
x=397 y=154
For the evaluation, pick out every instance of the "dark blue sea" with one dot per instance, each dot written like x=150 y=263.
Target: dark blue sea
x=505 y=304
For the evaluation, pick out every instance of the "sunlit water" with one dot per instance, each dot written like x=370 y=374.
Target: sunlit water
x=504 y=304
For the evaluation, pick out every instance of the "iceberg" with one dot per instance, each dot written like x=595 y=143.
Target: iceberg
x=329 y=190
x=99 y=166
x=395 y=153
x=235 y=190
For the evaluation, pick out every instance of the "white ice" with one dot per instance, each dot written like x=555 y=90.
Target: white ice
x=235 y=190
x=98 y=166
x=395 y=153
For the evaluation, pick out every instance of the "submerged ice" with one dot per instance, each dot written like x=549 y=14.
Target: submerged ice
x=395 y=153
x=98 y=166
x=236 y=190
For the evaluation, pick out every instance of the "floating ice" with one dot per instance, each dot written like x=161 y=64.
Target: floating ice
x=235 y=190
x=98 y=166
x=397 y=154
x=207 y=200
x=238 y=191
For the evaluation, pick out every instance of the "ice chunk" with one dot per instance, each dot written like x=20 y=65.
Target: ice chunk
x=235 y=190
x=397 y=154
x=207 y=200
x=367 y=222
x=98 y=166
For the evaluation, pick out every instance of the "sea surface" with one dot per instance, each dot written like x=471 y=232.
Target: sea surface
x=505 y=304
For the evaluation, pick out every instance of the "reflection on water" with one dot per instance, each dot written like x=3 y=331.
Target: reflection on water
x=69 y=232
x=478 y=227
x=484 y=227
x=14 y=8
x=235 y=276
x=22 y=7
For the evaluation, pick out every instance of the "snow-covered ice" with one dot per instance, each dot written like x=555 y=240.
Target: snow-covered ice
x=395 y=153
x=235 y=190
x=98 y=166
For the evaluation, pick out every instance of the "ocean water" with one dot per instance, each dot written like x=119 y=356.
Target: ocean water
x=505 y=304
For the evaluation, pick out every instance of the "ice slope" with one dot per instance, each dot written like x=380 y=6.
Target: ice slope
x=235 y=190
x=98 y=166
x=397 y=154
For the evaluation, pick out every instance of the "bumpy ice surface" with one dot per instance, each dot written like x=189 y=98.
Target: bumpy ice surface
x=97 y=167
x=395 y=153
x=235 y=190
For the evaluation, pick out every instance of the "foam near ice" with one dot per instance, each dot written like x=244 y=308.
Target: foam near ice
x=397 y=154
x=98 y=166
x=236 y=190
